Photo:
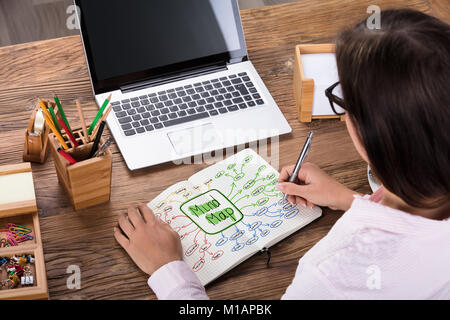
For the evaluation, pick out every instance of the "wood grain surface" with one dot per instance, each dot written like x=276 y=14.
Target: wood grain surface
x=85 y=238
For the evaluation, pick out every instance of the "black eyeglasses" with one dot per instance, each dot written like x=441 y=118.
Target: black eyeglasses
x=334 y=99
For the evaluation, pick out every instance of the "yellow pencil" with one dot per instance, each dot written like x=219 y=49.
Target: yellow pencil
x=55 y=132
x=44 y=109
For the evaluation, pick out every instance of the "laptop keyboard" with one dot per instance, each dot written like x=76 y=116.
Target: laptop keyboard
x=185 y=104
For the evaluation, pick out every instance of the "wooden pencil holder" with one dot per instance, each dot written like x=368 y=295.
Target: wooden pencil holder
x=87 y=182
x=18 y=206
x=304 y=87
x=36 y=145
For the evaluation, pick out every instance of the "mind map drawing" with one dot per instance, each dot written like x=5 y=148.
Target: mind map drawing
x=231 y=210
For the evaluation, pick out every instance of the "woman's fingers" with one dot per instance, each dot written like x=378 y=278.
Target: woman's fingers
x=293 y=189
x=296 y=193
x=125 y=225
x=300 y=201
x=286 y=173
x=310 y=204
x=291 y=199
x=306 y=170
x=147 y=213
x=134 y=216
x=120 y=238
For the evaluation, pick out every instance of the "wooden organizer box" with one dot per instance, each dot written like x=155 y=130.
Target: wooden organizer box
x=18 y=206
x=303 y=87
x=36 y=147
x=87 y=182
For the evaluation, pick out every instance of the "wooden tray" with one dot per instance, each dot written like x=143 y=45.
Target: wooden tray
x=24 y=213
x=304 y=87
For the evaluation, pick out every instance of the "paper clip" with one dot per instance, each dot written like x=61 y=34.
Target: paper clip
x=15 y=234
x=25 y=238
x=19 y=234
x=18 y=228
x=12 y=241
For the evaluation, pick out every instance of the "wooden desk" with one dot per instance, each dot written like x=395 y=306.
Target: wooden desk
x=85 y=238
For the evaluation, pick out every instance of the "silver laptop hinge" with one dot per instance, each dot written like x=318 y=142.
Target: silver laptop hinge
x=168 y=79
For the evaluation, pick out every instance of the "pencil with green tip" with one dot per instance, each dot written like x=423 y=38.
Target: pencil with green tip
x=99 y=114
x=61 y=111
x=55 y=121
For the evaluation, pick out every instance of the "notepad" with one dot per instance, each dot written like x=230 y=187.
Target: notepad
x=323 y=69
x=229 y=211
x=16 y=187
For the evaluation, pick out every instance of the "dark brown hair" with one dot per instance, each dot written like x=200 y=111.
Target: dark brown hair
x=396 y=88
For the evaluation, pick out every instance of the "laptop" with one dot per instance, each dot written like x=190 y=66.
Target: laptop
x=179 y=76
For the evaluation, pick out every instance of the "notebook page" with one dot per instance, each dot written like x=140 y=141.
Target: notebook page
x=201 y=251
x=289 y=218
x=248 y=181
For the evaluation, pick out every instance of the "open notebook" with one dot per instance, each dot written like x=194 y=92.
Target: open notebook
x=229 y=211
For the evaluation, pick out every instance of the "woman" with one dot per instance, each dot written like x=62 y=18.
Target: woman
x=394 y=244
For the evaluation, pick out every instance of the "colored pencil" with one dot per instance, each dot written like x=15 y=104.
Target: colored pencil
x=83 y=123
x=55 y=120
x=67 y=156
x=103 y=118
x=69 y=134
x=61 y=112
x=45 y=110
x=56 y=132
x=99 y=114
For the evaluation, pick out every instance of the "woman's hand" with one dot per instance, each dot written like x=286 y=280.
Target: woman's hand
x=149 y=241
x=316 y=188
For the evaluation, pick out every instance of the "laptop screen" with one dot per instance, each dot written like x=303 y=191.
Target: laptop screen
x=134 y=40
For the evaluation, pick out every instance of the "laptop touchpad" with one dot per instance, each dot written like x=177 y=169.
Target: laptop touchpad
x=195 y=140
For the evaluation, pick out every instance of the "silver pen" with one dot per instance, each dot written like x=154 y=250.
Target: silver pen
x=301 y=159
x=103 y=148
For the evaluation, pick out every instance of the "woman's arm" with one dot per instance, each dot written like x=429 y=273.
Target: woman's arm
x=156 y=249
x=176 y=281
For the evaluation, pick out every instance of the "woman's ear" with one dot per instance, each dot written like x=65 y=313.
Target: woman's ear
x=355 y=138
